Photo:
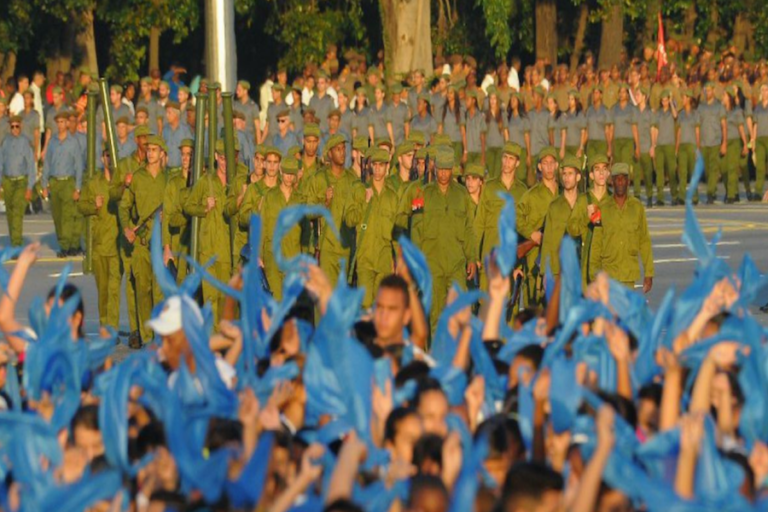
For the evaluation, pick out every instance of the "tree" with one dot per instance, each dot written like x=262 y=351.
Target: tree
x=79 y=14
x=546 y=30
x=407 y=37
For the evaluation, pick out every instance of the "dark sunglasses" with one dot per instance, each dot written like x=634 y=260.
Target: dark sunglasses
x=15 y=126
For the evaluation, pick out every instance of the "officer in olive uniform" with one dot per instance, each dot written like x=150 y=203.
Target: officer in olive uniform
x=486 y=223
x=560 y=211
x=254 y=192
x=237 y=191
x=176 y=225
x=339 y=190
x=401 y=176
x=625 y=235
x=531 y=213
x=140 y=203
x=207 y=201
x=18 y=172
x=374 y=247
x=713 y=132
x=95 y=203
x=585 y=222
x=272 y=203
x=448 y=237
x=63 y=175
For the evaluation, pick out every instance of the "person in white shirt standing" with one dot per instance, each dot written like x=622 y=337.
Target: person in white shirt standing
x=16 y=106
x=38 y=81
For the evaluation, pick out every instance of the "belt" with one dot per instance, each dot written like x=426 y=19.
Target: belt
x=62 y=178
x=14 y=178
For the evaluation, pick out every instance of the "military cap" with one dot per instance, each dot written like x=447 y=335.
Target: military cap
x=510 y=148
x=381 y=87
x=359 y=143
x=360 y=91
x=277 y=87
x=122 y=119
x=382 y=141
x=378 y=155
x=491 y=90
x=57 y=90
x=311 y=130
x=441 y=139
x=292 y=151
x=548 y=151
x=471 y=61
x=190 y=106
x=691 y=94
x=296 y=86
x=322 y=74
x=146 y=80
x=540 y=91
x=64 y=114
x=156 y=140
x=474 y=169
x=709 y=85
x=571 y=161
x=117 y=88
x=665 y=94
x=29 y=93
x=335 y=112
x=624 y=85
x=421 y=154
x=424 y=96
x=187 y=143
x=15 y=119
x=471 y=93
x=372 y=71
x=417 y=137
x=142 y=131
x=173 y=104
x=396 y=88
x=644 y=90
x=598 y=159
x=245 y=84
x=221 y=148
x=573 y=92
x=284 y=113
x=165 y=83
x=333 y=141
x=185 y=89
x=290 y=165
x=444 y=159
x=404 y=148
x=142 y=108
x=260 y=150
x=238 y=114
x=620 y=169
x=272 y=150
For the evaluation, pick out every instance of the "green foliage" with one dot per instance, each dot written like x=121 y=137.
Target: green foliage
x=497 y=14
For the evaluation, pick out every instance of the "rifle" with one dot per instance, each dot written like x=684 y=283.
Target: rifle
x=516 y=287
x=365 y=170
x=414 y=174
x=425 y=178
x=145 y=220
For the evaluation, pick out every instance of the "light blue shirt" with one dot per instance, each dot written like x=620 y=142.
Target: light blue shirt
x=63 y=158
x=173 y=139
x=17 y=159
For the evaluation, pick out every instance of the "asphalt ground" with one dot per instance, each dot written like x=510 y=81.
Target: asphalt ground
x=744 y=226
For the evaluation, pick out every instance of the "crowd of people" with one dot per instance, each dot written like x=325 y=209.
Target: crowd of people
x=414 y=296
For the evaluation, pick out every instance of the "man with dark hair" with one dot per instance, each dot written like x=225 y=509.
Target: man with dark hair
x=86 y=434
x=401 y=432
x=532 y=487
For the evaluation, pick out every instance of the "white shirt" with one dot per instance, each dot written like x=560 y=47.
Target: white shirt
x=513 y=80
x=488 y=81
x=306 y=95
x=16 y=105
x=226 y=372
x=38 y=101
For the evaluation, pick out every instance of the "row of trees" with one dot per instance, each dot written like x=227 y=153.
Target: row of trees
x=130 y=35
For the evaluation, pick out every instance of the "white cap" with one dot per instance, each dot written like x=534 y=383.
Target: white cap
x=168 y=320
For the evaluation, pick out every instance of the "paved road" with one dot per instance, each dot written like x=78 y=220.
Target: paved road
x=745 y=229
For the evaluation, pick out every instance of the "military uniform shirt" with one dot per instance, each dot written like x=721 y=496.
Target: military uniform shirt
x=574 y=124
x=494 y=137
x=104 y=224
x=425 y=125
x=735 y=118
x=30 y=121
x=760 y=117
x=50 y=117
x=347 y=120
x=153 y=112
x=323 y=106
x=665 y=123
x=518 y=127
x=360 y=122
x=63 y=158
x=597 y=120
x=541 y=124
x=377 y=119
x=451 y=125
x=17 y=159
x=625 y=237
x=688 y=124
x=398 y=115
x=556 y=222
x=284 y=143
x=172 y=139
x=126 y=149
x=296 y=118
x=251 y=112
x=709 y=122
x=475 y=127
x=272 y=112
x=623 y=120
x=486 y=221
x=644 y=122
x=438 y=100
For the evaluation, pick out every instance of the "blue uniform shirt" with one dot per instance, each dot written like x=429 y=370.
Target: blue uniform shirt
x=63 y=158
x=172 y=139
x=17 y=159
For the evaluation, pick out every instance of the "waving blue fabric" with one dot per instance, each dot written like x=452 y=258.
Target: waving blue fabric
x=248 y=488
x=506 y=253
x=82 y=494
x=564 y=394
x=585 y=311
x=7 y=254
x=645 y=365
x=630 y=307
x=570 y=277
x=286 y=220
x=163 y=276
x=419 y=269
x=444 y=345
x=465 y=489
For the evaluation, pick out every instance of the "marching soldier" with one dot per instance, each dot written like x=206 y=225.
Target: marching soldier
x=18 y=172
x=176 y=225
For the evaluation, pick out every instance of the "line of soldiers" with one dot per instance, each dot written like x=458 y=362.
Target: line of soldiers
x=413 y=189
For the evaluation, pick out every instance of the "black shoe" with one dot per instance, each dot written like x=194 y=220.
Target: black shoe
x=754 y=197
x=649 y=203
x=134 y=341
x=659 y=202
x=62 y=254
x=710 y=199
x=730 y=200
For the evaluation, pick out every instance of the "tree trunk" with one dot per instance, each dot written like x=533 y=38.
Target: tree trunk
x=612 y=37
x=546 y=31
x=9 y=66
x=154 y=48
x=86 y=38
x=581 y=32
x=743 y=34
x=715 y=32
x=650 y=33
x=690 y=22
x=407 y=36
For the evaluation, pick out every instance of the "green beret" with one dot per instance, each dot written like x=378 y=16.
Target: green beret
x=472 y=93
x=598 y=159
x=259 y=150
x=380 y=87
x=540 y=91
x=360 y=143
x=272 y=150
x=441 y=139
x=417 y=137
x=146 y=80
x=643 y=90
x=333 y=141
x=296 y=86
x=245 y=84
x=187 y=143
x=382 y=141
x=404 y=148
x=378 y=155
x=548 y=151
x=290 y=165
x=492 y=90
x=292 y=151
x=57 y=90
x=156 y=140
x=142 y=131
x=360 y=91
x=424 y=96
x=665 y=94
x=571 y=161
x=421 y=154
x=620 y=169
x=173 y=104
x=322 y=74
x=474 y=169
x=311 y=130
x=574 y=92
x=510 y=148
x=396 y=88
x=221 y=148
x=691 y=94
x=122 y=119
x=444 y=159
x=709 y=85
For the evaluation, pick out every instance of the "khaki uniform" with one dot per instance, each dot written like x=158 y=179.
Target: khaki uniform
x=374 y=251
x=531 y=213
x=625 y=237
x=106 y=259
x=241 y=234
x=591 y=235
x=176 y=225
x=272 y=203
x=558 y=215
x=139 y=204
x=214 y=238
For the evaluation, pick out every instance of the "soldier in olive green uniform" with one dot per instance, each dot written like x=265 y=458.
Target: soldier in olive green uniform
x=339 y=190
x=585 y=222
x=176 y=225
x=140 y=202
x=663 y=145
x=272 y=203
x=486 y=223
x=560 y=211
x=644 y=167
x=248 y=202
x=237 y=190
x=411 y=198
x=713 y=132
x=18 y=172
x=625 y=235
x=207 y=201
x=448 y=237
x=374 y=247
x=398 y=181
x=531 y=212
x=95 y=203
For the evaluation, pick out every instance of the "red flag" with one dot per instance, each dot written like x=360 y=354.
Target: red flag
x=661 y=50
